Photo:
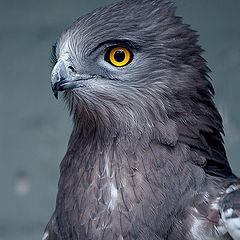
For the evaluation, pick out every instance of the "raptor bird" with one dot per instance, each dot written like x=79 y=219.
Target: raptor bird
x=145 y=159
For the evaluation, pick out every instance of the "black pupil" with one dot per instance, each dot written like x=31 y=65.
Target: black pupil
x=119 y=55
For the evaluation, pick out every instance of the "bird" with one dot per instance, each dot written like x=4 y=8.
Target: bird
x=146 y=157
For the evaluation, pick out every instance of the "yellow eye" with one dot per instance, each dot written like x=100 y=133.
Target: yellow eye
x=119 y=56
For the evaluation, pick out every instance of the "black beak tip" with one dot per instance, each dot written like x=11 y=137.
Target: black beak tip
x=55 y=91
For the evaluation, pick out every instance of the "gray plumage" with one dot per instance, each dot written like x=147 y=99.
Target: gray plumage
x=145 y=159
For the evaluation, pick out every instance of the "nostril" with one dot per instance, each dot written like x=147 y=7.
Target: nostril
x=72 y=69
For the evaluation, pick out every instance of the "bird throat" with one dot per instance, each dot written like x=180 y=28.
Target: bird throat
x=115 y=172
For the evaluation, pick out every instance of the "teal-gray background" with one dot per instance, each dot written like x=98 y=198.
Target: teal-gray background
x=34 y=127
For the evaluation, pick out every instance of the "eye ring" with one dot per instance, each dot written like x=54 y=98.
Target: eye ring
x=118 y=56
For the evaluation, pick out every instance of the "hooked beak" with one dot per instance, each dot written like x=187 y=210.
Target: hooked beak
x=65 y=77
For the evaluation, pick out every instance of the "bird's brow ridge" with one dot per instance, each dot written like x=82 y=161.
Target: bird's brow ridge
x=123 y=42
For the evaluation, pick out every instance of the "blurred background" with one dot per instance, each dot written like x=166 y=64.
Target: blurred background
x=34 y=127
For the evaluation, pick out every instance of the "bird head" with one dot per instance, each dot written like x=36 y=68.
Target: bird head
x=133 y=63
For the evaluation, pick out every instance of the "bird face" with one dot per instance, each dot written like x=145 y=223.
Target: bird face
x=110 y=62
